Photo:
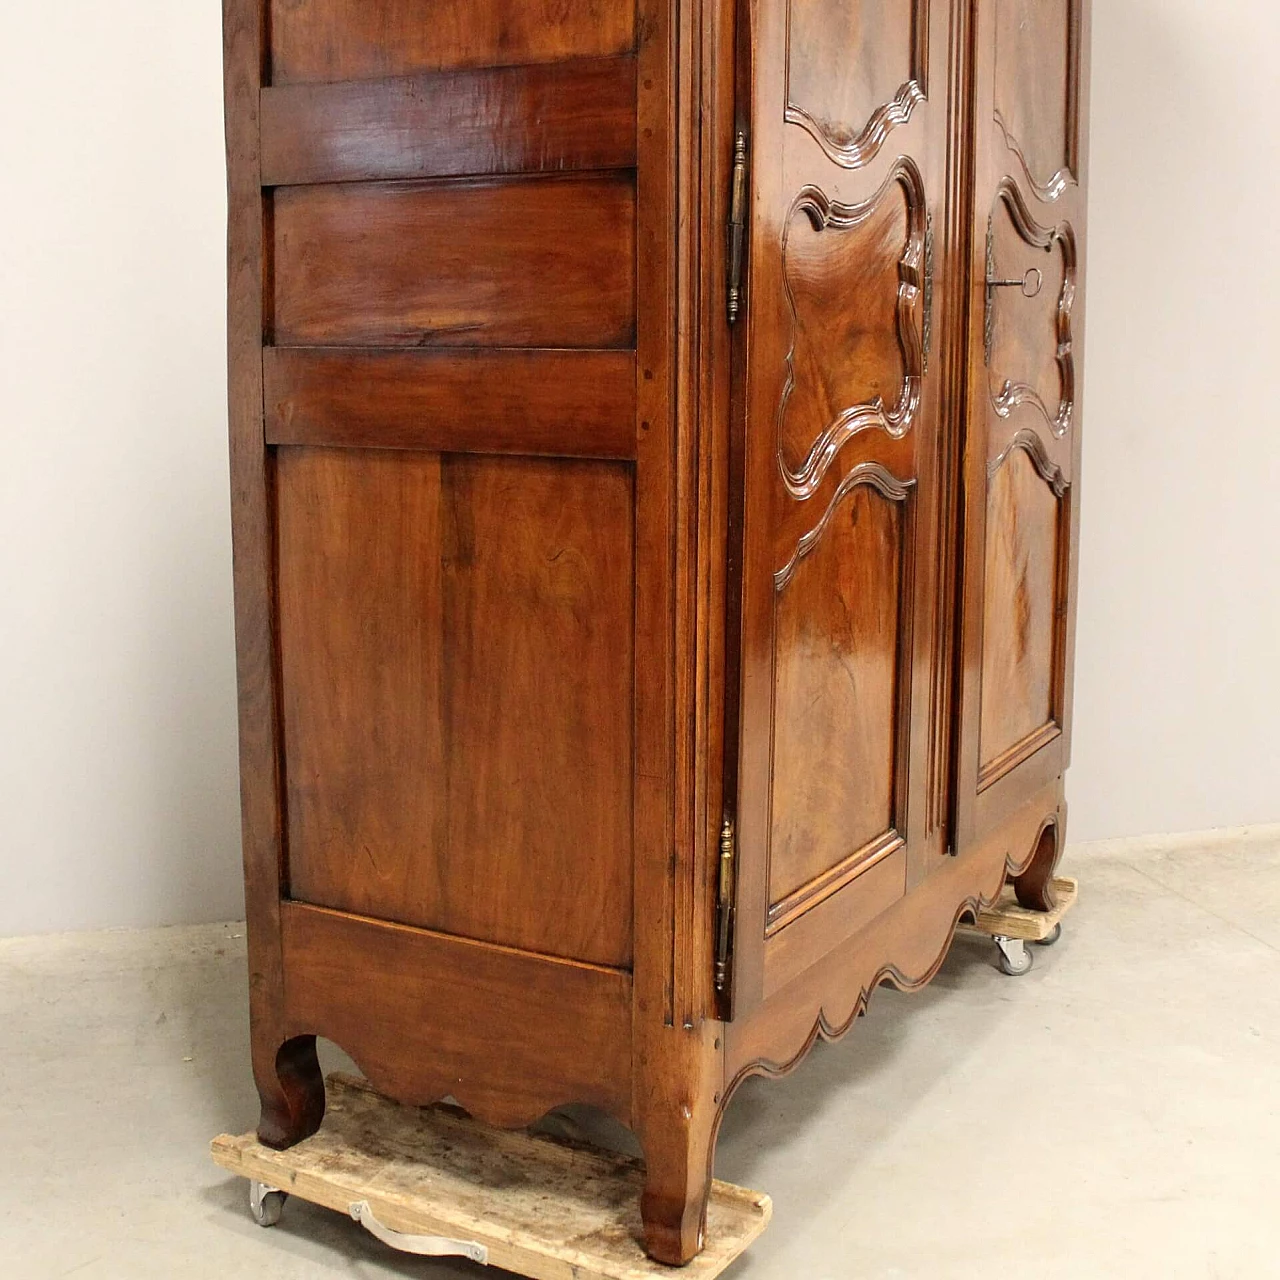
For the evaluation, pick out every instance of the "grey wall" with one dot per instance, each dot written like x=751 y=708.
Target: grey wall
x=117 y=760
x=1178 y=667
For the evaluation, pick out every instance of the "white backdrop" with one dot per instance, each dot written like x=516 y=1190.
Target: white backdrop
x=117 y=699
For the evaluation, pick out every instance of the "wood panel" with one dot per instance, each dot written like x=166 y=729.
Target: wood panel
x=557 y=403
x=362 y=39
x=854 y=70
x=547 y=262
x=1032 y=348
x=539 y=598
x=1020 y=607
x=558 y=116
x=509 y=1035
x=851 y=276
x=841 y=443
x=1036 y=85
x=456 y=677
x=837 y=639
x=1022 y=447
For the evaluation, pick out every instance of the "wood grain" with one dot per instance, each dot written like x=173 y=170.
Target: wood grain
x=1020 y=495
x=509 y=1035
x=904 y=945
x=521 y=583
x=855 y=71
x=548 y=402
x=362 y=39
x=1036 y=45
x=491 y=120
x=837 y=577
x=287 y=1075
x=542 y=262
x=836 y=712
x=455 y=638
x=1020 y=621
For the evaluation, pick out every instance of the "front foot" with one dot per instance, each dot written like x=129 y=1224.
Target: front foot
x=674 y=1230
x=292 y=1095
x=1034 y=886
x=677 y=1186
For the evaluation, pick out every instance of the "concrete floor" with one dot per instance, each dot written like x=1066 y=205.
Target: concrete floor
x=1115 y=1113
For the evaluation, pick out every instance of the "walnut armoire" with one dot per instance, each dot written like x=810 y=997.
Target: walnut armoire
x=654 y=433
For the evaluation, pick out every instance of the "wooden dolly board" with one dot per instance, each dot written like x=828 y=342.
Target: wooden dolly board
x=431 y=1181
x=1011 y=926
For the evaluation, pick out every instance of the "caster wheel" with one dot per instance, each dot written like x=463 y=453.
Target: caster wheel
x=1051 y=937
x=266 y=1203
x=1014 y=959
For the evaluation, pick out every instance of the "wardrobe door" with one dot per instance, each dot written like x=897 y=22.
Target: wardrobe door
x=1021 y=500
x=845 y=133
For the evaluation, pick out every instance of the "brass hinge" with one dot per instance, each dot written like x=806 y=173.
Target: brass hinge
x=737 y=223
x=724 y=901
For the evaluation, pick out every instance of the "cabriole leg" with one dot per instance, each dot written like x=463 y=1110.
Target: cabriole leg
x=677 y=1187
x=1034 y=887
x=291 y=1091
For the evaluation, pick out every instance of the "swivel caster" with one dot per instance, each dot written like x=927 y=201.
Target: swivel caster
x=1014 y=959
x=1051 y=937
x=266 y=1203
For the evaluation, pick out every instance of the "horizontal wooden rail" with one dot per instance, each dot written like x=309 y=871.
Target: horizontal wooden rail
x=572 y=404
x=576 y=115
x=509 y=1034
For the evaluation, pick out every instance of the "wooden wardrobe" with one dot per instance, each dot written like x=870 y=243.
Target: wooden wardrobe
x=654 y=435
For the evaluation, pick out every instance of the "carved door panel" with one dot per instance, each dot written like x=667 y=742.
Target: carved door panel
x=1023 y=430
x=838 y=402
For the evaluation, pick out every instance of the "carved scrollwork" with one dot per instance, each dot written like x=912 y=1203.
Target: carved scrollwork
x=862 y=149
x=871 y=473
x=1012 y=393
x=906 y=977
x=827 y=214
x=843 y=58
x=1049 y=190
x=1049 y=470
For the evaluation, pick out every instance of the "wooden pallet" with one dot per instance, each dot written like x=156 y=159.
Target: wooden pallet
x=530 y=1204
x=1005 y=918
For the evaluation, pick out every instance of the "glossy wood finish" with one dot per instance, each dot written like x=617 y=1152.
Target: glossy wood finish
x=364 y=39
x=559 y=116
x=555 y=403
x=840 y=456
x=1021 y=499
x=543 y=570
x=393 y=996
x=832 y=789
x=904 y=946
x=1020 y=599
x=285 y=1069
x=547 y=262
x=430 y=616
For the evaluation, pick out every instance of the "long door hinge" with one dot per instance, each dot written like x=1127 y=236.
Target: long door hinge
x=724 y=901
x=737 y=223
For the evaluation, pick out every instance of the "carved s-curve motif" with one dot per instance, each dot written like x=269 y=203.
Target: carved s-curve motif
x=1013 y=394
x=872 y=473
x=861 y=150
x=976 y=900
x=827 y=214
x=843 y=57
x=1049 y=470
x=1049 y=190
